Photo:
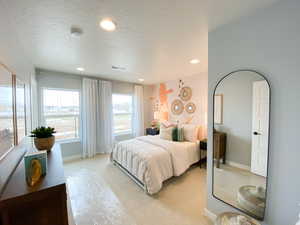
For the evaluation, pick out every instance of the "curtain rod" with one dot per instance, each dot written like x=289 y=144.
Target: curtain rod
x=7 y=68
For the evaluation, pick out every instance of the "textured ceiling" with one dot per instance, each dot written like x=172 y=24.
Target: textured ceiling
x=154 y=40
x=225 y=11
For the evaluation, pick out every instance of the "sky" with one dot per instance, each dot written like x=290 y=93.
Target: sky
x=61 y=98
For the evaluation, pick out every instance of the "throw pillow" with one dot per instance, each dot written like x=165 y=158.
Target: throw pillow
x=175 y=134
x=190 y=132
x=165 y=133
x=180 y=135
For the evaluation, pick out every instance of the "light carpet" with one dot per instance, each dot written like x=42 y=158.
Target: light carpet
x=101 y=194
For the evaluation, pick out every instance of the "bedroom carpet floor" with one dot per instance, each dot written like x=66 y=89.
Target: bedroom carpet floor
x=101 y=194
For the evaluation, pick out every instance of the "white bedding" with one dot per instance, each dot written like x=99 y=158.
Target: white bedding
x=153 y=160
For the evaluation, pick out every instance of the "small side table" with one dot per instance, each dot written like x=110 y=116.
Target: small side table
x=219 y=147
x=202 y=147
x=152 y=131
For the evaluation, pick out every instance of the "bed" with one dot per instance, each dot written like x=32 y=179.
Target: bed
x=150 y=160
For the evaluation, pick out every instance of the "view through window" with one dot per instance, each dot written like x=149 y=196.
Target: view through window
x=21 y=114
x=122 y=110
x=61 y=111
x=6 y=113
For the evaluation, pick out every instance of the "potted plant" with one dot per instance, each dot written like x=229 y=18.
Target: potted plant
x=43 y=138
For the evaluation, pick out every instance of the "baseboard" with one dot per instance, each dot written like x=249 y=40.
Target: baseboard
x=238 y=165
x=210 y=215
x=71 y=158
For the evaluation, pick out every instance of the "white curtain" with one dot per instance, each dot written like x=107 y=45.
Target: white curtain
x=105 y=121
x=138 y=111
x=89 y=117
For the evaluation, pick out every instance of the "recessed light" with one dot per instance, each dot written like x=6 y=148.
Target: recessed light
x=141 y=80
x=108 y=25
x=194 y=61
x=80 y=69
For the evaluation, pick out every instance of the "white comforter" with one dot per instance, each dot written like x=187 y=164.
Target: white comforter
x=153 y=160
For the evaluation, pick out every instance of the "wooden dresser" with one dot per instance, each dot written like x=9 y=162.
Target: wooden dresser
x=43 y=204
x=219 y=147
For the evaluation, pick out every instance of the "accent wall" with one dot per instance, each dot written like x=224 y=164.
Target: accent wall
x=161 y=97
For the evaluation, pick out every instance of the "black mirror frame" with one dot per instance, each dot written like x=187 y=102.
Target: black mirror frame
x=267 y=178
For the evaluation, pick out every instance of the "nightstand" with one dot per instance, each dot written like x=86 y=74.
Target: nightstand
x=202 y=147
x=152 y=131
x=219 y=147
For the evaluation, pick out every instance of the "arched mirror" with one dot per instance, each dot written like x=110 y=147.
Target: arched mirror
x=241 y=141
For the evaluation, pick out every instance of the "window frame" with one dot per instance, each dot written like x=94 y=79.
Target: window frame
x=19 y=82
x=15 y=141
x=121 y=133
x=42 y=118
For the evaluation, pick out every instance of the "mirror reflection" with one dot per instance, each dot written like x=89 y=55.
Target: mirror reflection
x=241 y=137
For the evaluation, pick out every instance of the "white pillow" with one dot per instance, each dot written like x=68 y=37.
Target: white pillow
x=190 y=132
x=165 y=133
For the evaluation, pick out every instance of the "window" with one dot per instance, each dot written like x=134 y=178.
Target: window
x=12 y=111
x=61 y=111
x=122 y=110
x=6 y=113
x=21 y=111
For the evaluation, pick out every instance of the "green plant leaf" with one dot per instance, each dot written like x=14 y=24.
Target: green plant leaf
x=43 y=132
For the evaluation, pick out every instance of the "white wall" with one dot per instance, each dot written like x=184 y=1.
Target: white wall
x=268 y=42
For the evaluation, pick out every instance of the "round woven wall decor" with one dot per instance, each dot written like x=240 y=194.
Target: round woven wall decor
x=185 y=93
x=177 y=107
x=190 y=107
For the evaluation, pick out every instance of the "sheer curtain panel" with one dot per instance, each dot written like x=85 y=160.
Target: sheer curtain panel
x=138 y=111
x=89 y=117
x=105 y=122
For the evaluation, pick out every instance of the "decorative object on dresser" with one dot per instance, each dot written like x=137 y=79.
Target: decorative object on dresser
x=35 y=166
x=43 y=204
x=43 y=138
x=185 y=94
x=152 y=131
x=177 y=107
x=190 y=108
x=219 y=147
x=229 y=218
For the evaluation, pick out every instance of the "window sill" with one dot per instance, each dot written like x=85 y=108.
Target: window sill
x=66 y=141
x=122 y=134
